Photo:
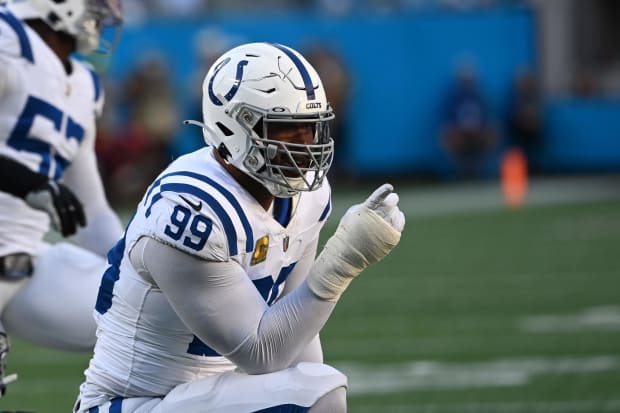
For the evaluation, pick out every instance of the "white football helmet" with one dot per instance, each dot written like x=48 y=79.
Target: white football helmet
x=82 y=19
x=258 y=88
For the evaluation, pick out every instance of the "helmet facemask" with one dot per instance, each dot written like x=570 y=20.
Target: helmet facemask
x=88 y=28
x=286 y=168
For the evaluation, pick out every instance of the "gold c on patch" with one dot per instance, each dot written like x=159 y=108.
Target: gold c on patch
x=260 y=250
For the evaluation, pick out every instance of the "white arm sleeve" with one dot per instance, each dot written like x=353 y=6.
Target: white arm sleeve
x=302 y=268
x=313 y=351
x=220 y=305
x=103 y=227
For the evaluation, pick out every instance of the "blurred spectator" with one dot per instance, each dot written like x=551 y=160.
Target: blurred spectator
x=149 y=95
x=336 y=80
x=468 y=134
x=337 y=7
x=179 y=8
x=586 y=85
x=136 y=150
x=262 y=5
x=134 y=11
x=466 y=4
x=525 y=115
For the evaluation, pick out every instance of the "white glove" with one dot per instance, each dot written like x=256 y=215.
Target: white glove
x=366 y=233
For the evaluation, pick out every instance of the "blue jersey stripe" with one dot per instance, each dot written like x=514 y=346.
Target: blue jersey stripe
x=284 y=408
x=155 y=198
x=305 y=75
x=93 y=410
x=116 y=405
x=154 y=185
x=18 y=27
x=328 y=208
x=199 y=348
x=110 y=277
x=249 y=234
x=229 y=227
x=282 y=210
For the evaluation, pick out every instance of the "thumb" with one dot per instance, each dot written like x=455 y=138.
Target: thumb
x=376 y=198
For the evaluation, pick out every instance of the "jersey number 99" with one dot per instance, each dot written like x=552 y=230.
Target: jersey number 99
x=199 y=228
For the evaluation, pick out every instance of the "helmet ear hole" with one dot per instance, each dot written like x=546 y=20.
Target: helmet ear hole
x=223 y=151
x=53 y=18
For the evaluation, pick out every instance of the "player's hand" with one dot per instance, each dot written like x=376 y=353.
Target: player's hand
x=64 y=209
x=366 y=233
x=373 y=227
x=385 y=203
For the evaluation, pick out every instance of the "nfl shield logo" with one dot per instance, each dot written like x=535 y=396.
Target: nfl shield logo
x=285 y=243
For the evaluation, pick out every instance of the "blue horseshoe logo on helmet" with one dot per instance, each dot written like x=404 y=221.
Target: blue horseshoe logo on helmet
x=233 y=90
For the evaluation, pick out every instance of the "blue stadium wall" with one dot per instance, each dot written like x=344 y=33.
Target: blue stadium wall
x=401 y=67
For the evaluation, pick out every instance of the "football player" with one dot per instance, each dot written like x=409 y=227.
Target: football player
x=49 y=102
x=214 y=298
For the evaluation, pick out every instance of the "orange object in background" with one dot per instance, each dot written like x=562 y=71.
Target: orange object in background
x=514 y=177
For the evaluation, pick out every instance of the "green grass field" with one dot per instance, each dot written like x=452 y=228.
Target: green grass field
x=480 y=311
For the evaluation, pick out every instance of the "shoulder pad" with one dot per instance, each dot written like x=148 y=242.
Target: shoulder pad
x=204 y=196
x=173 y=221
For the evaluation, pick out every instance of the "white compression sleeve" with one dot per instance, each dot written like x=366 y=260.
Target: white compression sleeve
x=219 y=303
x=313 y=352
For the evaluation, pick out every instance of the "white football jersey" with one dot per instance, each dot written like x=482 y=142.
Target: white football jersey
x=46 y=117
x=143 y=348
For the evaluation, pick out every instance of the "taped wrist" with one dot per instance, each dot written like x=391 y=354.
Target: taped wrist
x=362 y=239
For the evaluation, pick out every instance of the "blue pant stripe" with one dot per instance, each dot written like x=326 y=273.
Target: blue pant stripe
x=284 y=408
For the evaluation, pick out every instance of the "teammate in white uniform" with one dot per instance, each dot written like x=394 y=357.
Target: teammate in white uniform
x=49 y=102
x=214 y=298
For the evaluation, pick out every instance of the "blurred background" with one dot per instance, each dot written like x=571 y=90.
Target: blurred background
x=431 y=90
x=498 y=121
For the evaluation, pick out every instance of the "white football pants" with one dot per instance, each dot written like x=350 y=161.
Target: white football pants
x=290 y=390
x=54 y=307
